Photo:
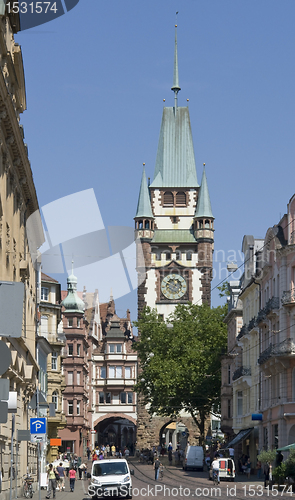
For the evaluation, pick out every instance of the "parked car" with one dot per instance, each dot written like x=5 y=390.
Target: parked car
x=227 y=469
x=110 y=477
x=193 y=458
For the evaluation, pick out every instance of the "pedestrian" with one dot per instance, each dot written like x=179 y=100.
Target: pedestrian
x=61 y=471
x=258 y=468
x=108 y=450
x=266 y=474
x=157 y=465
x=82 y=469
x=88 y=453
x=72 y=475
x=248 y=468
x=113 y=449
x=51 y=481
x=170 y=456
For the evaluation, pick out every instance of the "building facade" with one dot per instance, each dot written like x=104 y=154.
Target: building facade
x=114 y=376
x=174 y=230
x=51 y=328
x=263 y=383
x=18 y=202
x=75 y=435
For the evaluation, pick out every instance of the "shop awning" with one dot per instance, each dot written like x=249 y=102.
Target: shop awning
x=239 y=437
x=171 y=426
x=287 y=448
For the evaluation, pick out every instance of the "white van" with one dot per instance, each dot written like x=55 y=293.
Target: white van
x=110 y=477
x=193 y=458
x=227 y=469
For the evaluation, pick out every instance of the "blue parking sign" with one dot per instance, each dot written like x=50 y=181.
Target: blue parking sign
x=38 y=425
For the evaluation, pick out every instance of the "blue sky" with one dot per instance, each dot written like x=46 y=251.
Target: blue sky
x=95 y=82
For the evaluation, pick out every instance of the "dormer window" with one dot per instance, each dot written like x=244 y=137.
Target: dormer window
x=168 y=199
x=44 y=293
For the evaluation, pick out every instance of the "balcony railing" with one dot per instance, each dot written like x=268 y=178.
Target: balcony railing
x=242 y=372
x=243 y=331
x=273 y=303
x=261 y=315
x=288 y=297
x=252 y=323
x=283 y=348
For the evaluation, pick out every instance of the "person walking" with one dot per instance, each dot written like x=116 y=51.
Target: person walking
x=88 y=453
x=215 y=468
x=61 y=471
x=51 y=481
x=157 y=465
x=72 y=474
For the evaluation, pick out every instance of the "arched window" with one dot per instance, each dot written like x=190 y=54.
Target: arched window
x=140 y=224
x=181 y=199
x=168 y=199
x=147 y=224
x=207 y=223
x=55 y=399
x=189 y=254
x=200 y=224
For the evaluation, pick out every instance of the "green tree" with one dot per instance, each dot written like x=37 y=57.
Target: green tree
x=181 y=361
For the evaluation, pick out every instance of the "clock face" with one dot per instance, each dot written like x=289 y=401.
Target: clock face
x=173 y=286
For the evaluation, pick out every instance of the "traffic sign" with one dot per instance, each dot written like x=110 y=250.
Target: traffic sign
x=38 y=425
x=38 y=438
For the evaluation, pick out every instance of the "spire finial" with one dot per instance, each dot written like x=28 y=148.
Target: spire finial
x=176 y=88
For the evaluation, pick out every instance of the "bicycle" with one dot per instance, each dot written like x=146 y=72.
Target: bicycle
x=28 y=486
x=215 y=477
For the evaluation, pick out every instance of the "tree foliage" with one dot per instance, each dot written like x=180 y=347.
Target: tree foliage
x=181 y=360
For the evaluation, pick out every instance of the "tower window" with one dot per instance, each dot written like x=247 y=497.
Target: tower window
x=147 y=224
x=207 y=223
x=168 y=199
x=200 y=224
x=189 y=255
x=140 y=224
x=181 y=199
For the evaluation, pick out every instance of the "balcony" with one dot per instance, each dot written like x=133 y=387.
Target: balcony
x=243 y=331
x=288 y=297
x=284 y=348
x=252 y=324
x=242 y=372
x=273 y=303
x=261 y=316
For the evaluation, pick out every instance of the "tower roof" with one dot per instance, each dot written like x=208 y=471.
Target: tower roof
x=175 y=162
x=72 y=302
x=144 y=208
x=203 y=208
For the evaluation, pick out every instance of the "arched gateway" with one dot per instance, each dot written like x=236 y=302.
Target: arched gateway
x=116 y=429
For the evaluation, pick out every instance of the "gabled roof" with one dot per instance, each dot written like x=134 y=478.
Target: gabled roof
x=144 y=203
x=203 y=208
x=175 y=162
x=48 y=279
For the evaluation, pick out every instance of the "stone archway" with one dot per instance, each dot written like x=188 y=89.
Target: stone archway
x=116 y=429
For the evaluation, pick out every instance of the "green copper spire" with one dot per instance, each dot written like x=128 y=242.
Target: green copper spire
x=144 y=208
x=176 y=88
x=203 y=208
x=72 y=302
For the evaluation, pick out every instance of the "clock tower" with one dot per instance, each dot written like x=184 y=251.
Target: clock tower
x=174 y=224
